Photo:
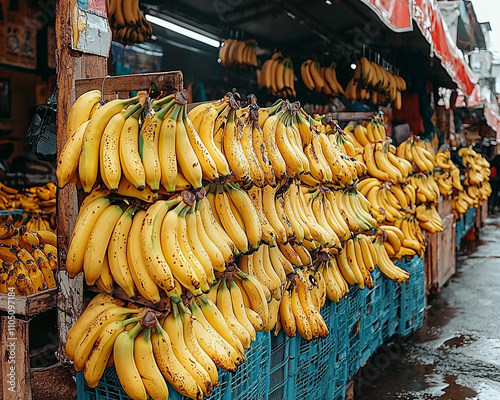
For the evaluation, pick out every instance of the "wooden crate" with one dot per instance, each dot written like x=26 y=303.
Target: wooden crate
x=440 y=264
x=15 y=317
x=29 y=305
x=444 y=206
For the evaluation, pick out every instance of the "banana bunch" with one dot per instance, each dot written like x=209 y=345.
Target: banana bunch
x=418 y=152
x=39 y=222
x=429 y=219
x=128 y=25
x=35 y=199
x=384 y=165
x=372 y=80
x=236 y=214
x=29 y=260
x=144 y=250
x=321 y=79
x=462 y=202
x=244 y=315
x=388 y=202
x=385 y=264
x=404 y=240
x=184 y=347
x=270 y=266
x=277 y=76
x=369 y=131
x=443 y=160
x=455 y=178
x=478 y=167
x=356 y=261
x=238 y=53
x=445 y=183
x=426 y=188
x=165 y=151
x=300 y=305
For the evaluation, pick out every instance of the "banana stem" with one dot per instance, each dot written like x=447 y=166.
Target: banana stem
x=157 y=104
x=160 y=114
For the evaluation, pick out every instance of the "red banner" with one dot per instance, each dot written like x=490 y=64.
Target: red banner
x=396 y=14
x=430 y=21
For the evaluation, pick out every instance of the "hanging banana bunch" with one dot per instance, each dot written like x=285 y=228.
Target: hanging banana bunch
x=277 y=76
x=128 y=25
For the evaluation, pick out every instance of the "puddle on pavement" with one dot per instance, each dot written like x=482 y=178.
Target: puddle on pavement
x=409 y=380
x=458 y=341
x=454 y=391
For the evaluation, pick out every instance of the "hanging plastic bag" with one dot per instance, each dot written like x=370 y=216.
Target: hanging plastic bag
x=42 y=133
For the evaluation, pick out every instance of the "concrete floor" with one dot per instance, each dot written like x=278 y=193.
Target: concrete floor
x=456 y=355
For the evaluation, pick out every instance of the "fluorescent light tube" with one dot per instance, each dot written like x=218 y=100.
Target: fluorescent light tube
x=182 y=31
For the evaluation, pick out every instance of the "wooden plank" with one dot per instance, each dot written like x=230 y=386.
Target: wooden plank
x=430 y=262
x=71 y=65
x=15 y=362
x=165 y=81
x=354 y=116
x=444 y=207
x=446 y=252
x=29 y=305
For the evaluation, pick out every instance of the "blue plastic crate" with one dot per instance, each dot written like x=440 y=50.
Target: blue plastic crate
x=279 y=367
x=459 y=229
x=354 y=326
x=109 y=388
x=312 y=365
x=251 y=379
x=412 y=304
x=469 y=220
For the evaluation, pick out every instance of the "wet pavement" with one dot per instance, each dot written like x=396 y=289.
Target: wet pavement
x=456 y=354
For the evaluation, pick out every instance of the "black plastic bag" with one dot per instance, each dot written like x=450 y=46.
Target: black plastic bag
x=42 y=133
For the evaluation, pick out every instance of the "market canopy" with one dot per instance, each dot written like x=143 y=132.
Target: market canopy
x=397 y=15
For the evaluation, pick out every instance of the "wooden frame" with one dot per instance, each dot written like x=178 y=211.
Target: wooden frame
x=30 y=305
x=165 y=81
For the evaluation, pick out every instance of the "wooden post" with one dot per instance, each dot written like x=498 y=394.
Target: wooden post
x=71 y=65
x=15 y=360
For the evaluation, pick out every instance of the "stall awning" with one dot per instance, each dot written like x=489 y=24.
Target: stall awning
x=398 y=15
x=430 y=21
x=492 y=119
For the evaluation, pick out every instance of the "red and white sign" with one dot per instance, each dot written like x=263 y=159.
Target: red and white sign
x=430 y=21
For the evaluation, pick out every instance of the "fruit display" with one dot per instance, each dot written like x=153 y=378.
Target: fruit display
x=38 y=204
x=128 y=25
x=29 y=260
x=250 y=220
x=320 y=79
x=476 y=187
x=238 y=53
x=277 y=76
x=373 y=81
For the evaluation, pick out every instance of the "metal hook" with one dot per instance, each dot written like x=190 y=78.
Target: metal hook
x=102 y=89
